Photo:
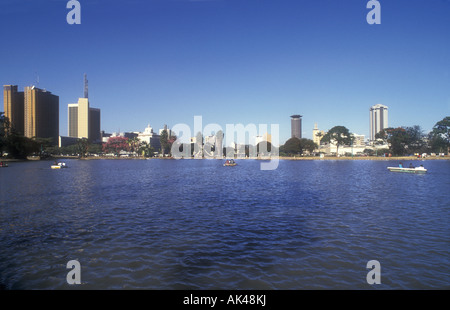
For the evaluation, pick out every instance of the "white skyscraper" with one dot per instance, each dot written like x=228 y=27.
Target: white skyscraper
x=378 y=119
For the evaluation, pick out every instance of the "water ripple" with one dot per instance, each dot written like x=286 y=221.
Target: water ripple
x=194 y=224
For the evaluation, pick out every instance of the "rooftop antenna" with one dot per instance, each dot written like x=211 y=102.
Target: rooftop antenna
x=37 y=79
x=85 y=86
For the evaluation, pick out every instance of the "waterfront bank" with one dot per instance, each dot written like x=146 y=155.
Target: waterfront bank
x=399 y=158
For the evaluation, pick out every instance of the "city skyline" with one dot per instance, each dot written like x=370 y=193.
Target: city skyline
x=236 y=62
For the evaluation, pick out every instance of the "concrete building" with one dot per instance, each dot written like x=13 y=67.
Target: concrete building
x=359 y=140
x=84 y=121
x=41 y=114
x=317 y=135
x=150 y=137
x=169 y=132
x=296 y=126
x=13 y=104
x=378 y=119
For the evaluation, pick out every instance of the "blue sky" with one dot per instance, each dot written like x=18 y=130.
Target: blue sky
x=234 y=61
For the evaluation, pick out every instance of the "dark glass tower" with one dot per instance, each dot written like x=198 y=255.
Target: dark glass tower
x=296 y=126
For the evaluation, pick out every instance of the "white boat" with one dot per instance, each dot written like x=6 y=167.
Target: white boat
x=420 y=169
x=59 y=166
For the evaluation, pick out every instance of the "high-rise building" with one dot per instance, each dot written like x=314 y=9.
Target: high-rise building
x=13 y=104
x=84 y=121
x=95 y=133
x=41 y=114
x=378 y=119
x=296 y=126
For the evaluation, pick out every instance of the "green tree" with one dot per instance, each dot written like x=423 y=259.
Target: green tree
x=19 y=146
x=134 y=144
x=94 y=148
x=296 y=146
x=82 y=146
x=293 y=146
x=4 y=130
x=308 y=145
x=145 y=149
x=164 y=140
x=416 y=142
x=339 y=135
x=397 y=138
x=440 y=135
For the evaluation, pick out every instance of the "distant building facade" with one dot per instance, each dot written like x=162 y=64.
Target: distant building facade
x=150 y=137
x=296 y=126
x=317 y=135
x=378 y=119
x=169 y=131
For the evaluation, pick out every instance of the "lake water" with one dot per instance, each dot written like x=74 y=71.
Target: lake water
x=194 y=224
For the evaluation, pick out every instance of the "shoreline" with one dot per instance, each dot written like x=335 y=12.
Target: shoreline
x=400 y=158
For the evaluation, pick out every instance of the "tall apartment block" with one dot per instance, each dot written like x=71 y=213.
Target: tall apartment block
x=41 y=114
x=33 y=113
x=378 y=119
x=13 y=104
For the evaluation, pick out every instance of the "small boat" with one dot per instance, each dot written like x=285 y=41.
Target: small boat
x=420 y=169
x=230 y=162
x=59 y=166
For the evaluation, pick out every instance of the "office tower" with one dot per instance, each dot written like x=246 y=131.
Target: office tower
x=296 y=126
x=95 y=134
x=73 y=120
x=378 y=119
x=13 y=104
x=41 y=114
x=84 y=121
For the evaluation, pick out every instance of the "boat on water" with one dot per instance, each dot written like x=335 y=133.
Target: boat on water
x=58 y=166
x=230 y=162
x=420 y=169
